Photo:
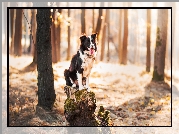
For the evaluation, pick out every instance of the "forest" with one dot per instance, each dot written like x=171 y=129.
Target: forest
x=131 y=77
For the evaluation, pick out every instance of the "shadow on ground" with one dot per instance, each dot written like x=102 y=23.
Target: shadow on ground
x=152 y=109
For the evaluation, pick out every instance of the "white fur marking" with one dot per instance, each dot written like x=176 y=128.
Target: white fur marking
x=80 y=81
x=82 y=56
x=87 y=84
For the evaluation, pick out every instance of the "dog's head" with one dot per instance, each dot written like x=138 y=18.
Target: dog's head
x=89 y=44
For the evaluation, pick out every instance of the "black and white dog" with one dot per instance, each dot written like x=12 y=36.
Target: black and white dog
x=81 y=64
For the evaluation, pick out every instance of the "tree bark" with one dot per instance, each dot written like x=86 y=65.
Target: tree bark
x=125 y=38
x=33 y=44
x=104 y=37
x=34 y=28
x=93 y=17
x=12 y=23
x=69 y=49
x=18 y=33
x=136 y=51
x=46 y=92
x=120 y=36
x=58 y=33
x=12 y=30
x=53 y=38
x=83 y=28
x=108 y=26
x=148 y=40
x=98 y=26
x=160 y=50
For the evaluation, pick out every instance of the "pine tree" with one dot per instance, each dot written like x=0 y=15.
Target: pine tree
x=83 y=28
x=148 y=40
x=18 y=33
x=125 y=38
x=160 y=49
x=46 y=92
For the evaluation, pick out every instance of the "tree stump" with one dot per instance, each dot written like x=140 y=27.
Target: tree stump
x=80 y=106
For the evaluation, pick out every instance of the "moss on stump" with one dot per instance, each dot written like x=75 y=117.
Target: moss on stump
x=80 y=106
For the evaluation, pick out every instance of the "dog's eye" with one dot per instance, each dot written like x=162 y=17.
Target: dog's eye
x=92 y=40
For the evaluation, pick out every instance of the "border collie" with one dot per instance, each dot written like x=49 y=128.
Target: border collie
x=81 y=64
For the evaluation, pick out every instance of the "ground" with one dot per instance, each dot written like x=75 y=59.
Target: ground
x=126 y=91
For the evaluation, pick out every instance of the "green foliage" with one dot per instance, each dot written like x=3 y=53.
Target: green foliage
x=158 y=40
x=70 y=105
x=103 y=117
x=81 y=110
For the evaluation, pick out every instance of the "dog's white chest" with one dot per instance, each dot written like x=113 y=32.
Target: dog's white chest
x=87 y=66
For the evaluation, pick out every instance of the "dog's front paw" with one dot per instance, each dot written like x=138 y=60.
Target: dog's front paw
x=74 y=85
x=81 y=87
x=88 y=89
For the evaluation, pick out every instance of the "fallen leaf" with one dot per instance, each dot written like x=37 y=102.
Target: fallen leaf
x=158 y=108
x=119 y=109
x=125 y=104
x=152 y=100
x=105 y=96
x=167 y=98
x=152 y=112
x=142 y=103
x=130 y=109
x=166 y=103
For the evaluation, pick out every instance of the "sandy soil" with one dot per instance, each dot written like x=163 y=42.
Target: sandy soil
x=126 y=91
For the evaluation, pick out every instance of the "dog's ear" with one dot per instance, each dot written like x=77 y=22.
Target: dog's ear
x=94 y=35
x=82 y=38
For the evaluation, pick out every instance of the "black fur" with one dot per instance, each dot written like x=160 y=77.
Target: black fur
x=72 y=71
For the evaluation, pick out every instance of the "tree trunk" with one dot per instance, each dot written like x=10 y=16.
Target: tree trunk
x=33 y=44
x=125 y=38
x=161 y=40
x=12 y=30
x=46 y=92
x=120 y=36
x=26 y=25
x=93 y=18
x=69 y=49
x=12 y=24
x=53 y=38
x=136 y=52
x=79 y=109
x=98 y=26
x=34 y=27
x=148 y=40
x=83 y=28
x=58 y=33
x=104 y=37
x=18 y=33
x=108 y=22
